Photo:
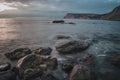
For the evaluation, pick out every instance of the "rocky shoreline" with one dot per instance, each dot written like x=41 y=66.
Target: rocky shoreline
x=38 y=64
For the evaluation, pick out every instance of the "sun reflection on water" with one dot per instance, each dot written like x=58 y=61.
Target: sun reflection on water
x=7 y=29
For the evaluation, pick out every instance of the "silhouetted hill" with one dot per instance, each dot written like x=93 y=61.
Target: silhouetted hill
x=113 y=15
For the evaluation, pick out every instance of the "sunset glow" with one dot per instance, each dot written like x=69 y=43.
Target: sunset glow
x=4 y=7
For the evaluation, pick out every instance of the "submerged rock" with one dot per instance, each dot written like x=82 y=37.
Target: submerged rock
x=43 y=51
x=7 y=75
x=4 y=66
x=81 y=72
x=34 y=65
x=114 y=59
x=68 y=46
x=18 y=53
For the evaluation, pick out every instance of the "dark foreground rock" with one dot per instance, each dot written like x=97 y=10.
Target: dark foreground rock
x=7 y=75
x=18 y=53
x=108 y=74
x=81 y=72
x=43 y=51
x=68 y=46
x=32 y=66
x=67 y=66
x=4 y=66
x=114 y=59
x=58 y=21
x=49 y=77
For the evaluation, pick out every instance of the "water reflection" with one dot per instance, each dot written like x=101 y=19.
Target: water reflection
x=7 y=33
x=7 y=30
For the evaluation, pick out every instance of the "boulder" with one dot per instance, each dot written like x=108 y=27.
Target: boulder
x=31 y=74
x=18 y=53
x=33 y=65
x=58 y=21
x=68 y=46
x=81 y=72
x=108 y=74
x=67 y=66
x=49 y=77
x=30 y=61
x=62 y=36
x=7 y=75
x=114 y=59
x=87 y=59
x=4 y=66
x=71 y=23
x=43 y=51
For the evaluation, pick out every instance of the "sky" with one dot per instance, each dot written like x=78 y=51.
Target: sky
x=56 y=7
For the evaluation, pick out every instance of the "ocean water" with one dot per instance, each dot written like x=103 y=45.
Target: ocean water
x=36 y=32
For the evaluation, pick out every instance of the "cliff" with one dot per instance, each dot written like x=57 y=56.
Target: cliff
x=113 y=15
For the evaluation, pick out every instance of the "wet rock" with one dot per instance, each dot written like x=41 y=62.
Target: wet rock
x=50 y=62
x=87 y=59
x=61 y=36
x=108 y=74
x=68 y=46
x=81 y=72
x=67 y=66
x=71 y=23
x=58 y=21
x=43 y=51
x=4 y=66
x=114 y=59
x=7 y=75
x=35 y=64
x=30 y=61
x=18 y=53
x=49 y=77
x=30 y=74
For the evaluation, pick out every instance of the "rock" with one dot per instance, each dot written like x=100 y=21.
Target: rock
x=50 y=62
x=35 y=64
x=18 y=53
x=108 y=74
x=7 y=75
x=68 y=46
x=4 y=66
x=87 y=59
x=49 y=77
x=61 y=36
x=114 y=59
x=30 y=61
x=30 y=74
x=67 y=66
x=58 y=21
x=81 y=72
x=43 y=51
x=71 y=23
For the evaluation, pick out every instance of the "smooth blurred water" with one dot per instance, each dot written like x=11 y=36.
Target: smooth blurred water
x=36 y=32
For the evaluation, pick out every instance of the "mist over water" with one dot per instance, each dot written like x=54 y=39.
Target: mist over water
x=37 y=32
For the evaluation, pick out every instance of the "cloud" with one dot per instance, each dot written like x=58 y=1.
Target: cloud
x=82 y=6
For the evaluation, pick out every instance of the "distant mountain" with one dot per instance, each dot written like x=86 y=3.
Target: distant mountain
x=113 y=15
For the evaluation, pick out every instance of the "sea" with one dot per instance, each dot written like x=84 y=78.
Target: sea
x=37 y=32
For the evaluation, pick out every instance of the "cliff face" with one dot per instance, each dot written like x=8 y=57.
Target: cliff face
x=114 y=15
